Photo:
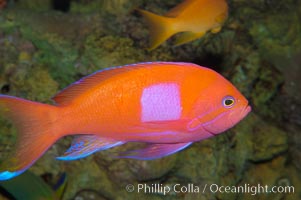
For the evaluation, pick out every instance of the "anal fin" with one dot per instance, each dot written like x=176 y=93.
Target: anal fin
x=83 y=146
x=154 y=151
x=188 y=37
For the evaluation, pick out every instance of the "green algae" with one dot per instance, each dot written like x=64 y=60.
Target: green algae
x=277 y=35
x=114 y=7
x=102 y=52
x=55 y=53
x=27 y=80
x=260 y=81
x=35 y=5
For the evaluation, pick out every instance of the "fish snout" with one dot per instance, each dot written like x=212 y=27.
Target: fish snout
x=245 y=111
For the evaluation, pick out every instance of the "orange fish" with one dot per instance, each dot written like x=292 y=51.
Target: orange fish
x=168 y=105
x=193 y=17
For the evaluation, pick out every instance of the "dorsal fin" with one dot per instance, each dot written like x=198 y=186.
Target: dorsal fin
x=65 y=96
x=76 y=89
x=174 y=12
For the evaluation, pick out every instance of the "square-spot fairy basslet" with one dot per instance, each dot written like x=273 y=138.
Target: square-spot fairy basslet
x=168 y=105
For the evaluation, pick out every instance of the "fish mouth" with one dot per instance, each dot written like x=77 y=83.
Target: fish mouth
x=246 y=111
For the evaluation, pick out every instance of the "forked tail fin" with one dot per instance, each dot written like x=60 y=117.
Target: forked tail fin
x=160 y=28
x=36 y=133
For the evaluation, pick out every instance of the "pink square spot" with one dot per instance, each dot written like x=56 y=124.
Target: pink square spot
x=161 y=102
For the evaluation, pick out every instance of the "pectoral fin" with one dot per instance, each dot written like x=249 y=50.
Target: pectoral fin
x=188 y=37
x=154 y=151
x=83 y=146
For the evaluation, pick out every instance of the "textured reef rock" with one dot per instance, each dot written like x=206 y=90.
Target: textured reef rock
x=44 y=47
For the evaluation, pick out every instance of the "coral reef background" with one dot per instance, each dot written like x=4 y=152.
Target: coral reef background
x=46 y=45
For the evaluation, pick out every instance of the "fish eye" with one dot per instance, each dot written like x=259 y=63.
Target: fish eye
x=228 y=101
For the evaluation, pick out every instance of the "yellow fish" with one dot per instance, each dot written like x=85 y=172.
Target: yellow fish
x=192 y=17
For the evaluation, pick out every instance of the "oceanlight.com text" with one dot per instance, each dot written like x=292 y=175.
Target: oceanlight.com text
x=251 y=189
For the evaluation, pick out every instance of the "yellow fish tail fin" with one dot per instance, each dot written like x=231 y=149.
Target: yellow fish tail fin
x=161 y=28
x=36 y=134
